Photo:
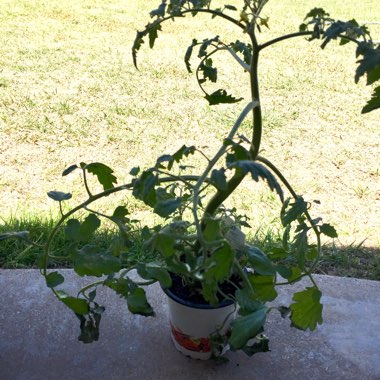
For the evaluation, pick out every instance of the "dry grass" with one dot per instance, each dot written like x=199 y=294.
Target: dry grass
x=69 y=93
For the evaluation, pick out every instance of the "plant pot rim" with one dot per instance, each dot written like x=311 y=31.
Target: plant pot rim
x=195 y=305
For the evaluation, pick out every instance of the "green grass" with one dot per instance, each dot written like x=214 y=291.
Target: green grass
x=17 y=253
x=69 y=93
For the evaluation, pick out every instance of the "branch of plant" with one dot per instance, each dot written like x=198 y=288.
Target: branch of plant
x=307 y=214
x=212 y=163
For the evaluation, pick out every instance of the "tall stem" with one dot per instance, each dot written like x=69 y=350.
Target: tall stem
x=255 y=95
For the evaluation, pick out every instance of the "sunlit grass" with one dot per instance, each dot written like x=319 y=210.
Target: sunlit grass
x=69 y=93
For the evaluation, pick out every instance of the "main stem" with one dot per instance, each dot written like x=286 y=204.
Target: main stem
x=221 y=195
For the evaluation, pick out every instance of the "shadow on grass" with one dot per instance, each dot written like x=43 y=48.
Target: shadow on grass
x=349 y=261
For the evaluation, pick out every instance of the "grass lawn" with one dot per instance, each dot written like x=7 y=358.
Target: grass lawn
x=69 y=93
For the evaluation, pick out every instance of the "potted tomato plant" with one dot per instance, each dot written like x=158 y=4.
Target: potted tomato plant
x=203 y=261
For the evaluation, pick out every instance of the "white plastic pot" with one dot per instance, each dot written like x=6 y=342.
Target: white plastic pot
x=192 y=326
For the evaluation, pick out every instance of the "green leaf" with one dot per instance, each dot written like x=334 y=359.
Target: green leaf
x=82 y=232
x=153 y=34
x=248 y=302
x=258 y=172
x=264 y=287
x=139 y=40
x=88 y=261
x=120 y=213
x=77 y=305
x=221 y=96
x=374 y=103
x=138 y=304
x=166 y=207
x=262 y=345
x=155 y=271
x=160 y=11
x=103 y=173
x=328 y=230
x=70 y=169
x=247 y=327
x=218 y=179
x=218 y=269
x=219 y=264
x=246 y=50
x=259 y=261
x=134 y=171
x=290 y=274
x=164 y=244
x=88 y=227
x=59 y=196
x=209 y=72
x=297 y=208
x=212 y=230
x=189 y=53
x=144 y=188
x=338 y=28
x=306 y=312
x=54 y=279
x=205 y=45
x=369 y=64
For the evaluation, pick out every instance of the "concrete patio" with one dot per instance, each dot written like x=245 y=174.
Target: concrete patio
x=38 y=338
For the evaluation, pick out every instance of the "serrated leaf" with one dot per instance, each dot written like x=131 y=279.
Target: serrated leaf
x=221 y=96
x=139 y=40
x=245 y=49
x=258 y=172
x=153 y=33
x=138 y=304
x=247 y=327
x=297 y=208
x=259 y=261
x=264 y=287
x=209 y=72
x=369 y=64
x=336 y=29
x=103 y=173
x=69 y=170
x=300 y=246
x=189 y=53
x=306 y=312
x=328 y=230
x=88 y=261
x=77 y=305
x=374 y=103
x=54 y=279
x=59 y=196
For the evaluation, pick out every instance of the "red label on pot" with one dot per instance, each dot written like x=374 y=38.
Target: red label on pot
x=190 y=343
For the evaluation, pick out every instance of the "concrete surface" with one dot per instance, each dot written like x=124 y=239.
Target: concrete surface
x=38 y=338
